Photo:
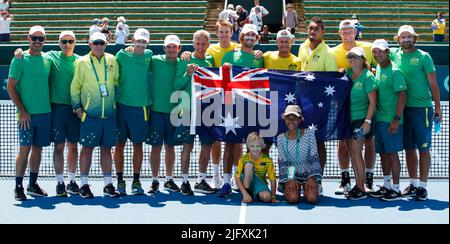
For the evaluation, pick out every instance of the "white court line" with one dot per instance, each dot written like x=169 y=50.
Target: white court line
x=243 y=213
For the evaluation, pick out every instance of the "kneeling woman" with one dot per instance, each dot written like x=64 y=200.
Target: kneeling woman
x=298 y=159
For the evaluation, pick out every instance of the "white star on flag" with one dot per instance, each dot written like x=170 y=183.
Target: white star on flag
x=230 y=124
x=320 y=105
x=312 y=127
x=329 y=90
x=290 y=98
x=310 y=77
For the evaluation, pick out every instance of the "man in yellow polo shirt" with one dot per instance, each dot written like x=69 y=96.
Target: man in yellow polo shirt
x=347 y=32
x=93 y=98
x=316 y=56
x=282 y=59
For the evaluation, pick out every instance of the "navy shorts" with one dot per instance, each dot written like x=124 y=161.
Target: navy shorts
x=40 y=132
x=98 y=132
x=358 y=123
x=182 y=135
x=65 y=124
x=161 y=130
x=385 y=142
x=132 y=123
x=417 y=128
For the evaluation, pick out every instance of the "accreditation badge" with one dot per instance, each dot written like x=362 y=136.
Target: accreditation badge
x=103 y=90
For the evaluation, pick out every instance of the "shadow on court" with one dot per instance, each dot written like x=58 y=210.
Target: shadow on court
x=159 y=200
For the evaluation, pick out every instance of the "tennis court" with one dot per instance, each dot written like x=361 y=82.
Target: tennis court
x=204 y=209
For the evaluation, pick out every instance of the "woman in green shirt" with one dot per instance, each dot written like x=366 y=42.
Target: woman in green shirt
x=363 y=101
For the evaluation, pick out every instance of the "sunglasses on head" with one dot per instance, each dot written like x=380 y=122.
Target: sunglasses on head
x=67 y=41
x=37 y=38
x=101 y=43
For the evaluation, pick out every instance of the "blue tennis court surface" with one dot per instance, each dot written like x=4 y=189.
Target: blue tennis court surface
x=201 y=209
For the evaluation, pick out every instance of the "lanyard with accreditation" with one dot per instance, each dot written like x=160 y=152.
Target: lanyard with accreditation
x=291 y=167
x=102 y=86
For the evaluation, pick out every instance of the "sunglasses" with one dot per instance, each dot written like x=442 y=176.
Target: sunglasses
x=37 y=38
x=67 y=41
x=101 y=43
x=353 y=57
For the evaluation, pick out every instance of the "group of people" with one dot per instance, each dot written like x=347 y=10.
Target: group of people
x=239 y=17
x=101 y=100
x=121 y=33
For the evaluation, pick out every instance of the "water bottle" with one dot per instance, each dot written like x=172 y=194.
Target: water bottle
x=437 y=124
x=358 y=133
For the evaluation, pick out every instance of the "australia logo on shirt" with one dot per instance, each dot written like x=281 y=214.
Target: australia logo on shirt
x=315 y=58
x=414 y=61
x=292 y=67
x=383 y=77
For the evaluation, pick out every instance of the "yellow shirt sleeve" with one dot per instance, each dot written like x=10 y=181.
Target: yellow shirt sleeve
x=240 y=167
x=271 y=171
x=77 y=82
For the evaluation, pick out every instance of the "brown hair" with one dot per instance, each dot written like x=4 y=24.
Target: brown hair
x=223 y=22
x=319 y=22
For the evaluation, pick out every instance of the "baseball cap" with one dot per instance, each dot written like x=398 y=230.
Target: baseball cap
x=230 y=6
x=95 y=21
x=249 y=28
x=66 y=33
x=172 y=39
x=284 y=33
x=293 y=109
x=97 y=36
x=141 y=34
x=347 y=24
x=381 y=44
x=358 y=51
x=37 y=28
x=407 y=28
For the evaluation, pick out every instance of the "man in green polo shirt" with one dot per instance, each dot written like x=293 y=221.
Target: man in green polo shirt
x=185 y=70
x=162 y=132
x=65 y=123
x=28 y=88
x=420 y=76
x=133 y=107
x=243 y=57
x=93 y=96
x=389 y=120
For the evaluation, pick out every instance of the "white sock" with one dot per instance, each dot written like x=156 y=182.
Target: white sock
x=216 y=168
x=345 y=170
x=107 y=179
x=71 y=177
x=59 y=179
x=185 y=178
x=201 y=176
x=423 y=185
x=387 y=182
x=84 y=180
x=369 y=170
x=414 y=182
x=396 y=187
x=226 y=178
x=155 y=178
x=169 y=178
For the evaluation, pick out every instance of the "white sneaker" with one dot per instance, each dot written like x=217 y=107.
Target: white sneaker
x=343 y=189
x=216 y=182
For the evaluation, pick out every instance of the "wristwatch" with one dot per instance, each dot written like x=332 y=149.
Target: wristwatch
x=397 y=117
x=368 y=121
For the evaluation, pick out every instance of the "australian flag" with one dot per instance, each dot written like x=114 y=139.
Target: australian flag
x=229 y=103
